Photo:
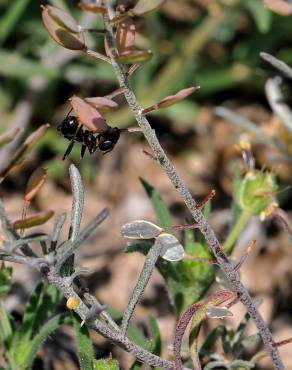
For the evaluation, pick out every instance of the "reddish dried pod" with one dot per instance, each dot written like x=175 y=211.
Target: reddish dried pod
x=101 y=103
x=93 y=8
x=125 y=36
x=34 y=184
x=280 y=7
x=88 y=116
x=171 y=99
x=63 y=19
x=135 y=56
x=34 y=220
x=62 y=28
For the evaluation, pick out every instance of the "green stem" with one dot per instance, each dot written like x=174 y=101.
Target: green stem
x=236 y=230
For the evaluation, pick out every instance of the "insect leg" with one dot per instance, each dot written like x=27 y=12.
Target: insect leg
x=83 y=148
x=78 y=137
x=69 y=149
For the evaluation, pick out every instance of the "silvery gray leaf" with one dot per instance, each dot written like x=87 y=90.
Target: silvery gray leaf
x=218 y=312
x=173 y=250
x=140 y=229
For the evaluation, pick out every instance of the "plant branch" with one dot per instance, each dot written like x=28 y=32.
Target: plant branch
x=149 y=264
x=191 y=204
x=114 y=336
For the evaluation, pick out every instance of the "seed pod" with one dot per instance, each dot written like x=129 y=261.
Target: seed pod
x=63 y=28
x=140 y=229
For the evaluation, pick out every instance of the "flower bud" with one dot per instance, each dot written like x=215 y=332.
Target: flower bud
x=256 y=191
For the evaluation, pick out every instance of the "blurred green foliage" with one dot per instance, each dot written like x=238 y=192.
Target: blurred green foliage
x=214 y=44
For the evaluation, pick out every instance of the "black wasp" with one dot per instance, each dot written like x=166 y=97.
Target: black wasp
x=73 y=130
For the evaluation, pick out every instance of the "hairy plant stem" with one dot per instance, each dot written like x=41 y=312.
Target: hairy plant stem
x=117 y=337
x=191 y=204
x=149 y=265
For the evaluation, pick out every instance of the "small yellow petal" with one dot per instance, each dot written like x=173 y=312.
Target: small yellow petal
x=72 y=303
x=268 y=211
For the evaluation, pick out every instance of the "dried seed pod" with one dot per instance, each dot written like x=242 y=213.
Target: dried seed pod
x=173 y=250
x=140 y=229
x=63 y=28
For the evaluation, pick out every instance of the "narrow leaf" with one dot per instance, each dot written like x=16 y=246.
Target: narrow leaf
x=78 y=201
x=155 y=336
x=69 y=247
x=39 y=308
x=56 y=230
x=34 y=220
x=28 y=239
x=8 y=136
x=5 y=327
x=19 y=155
x=262 y=16
x=84 y=345
x=5 y=279
x=47 y=329
x=10 y=18
x=144 y=7
x=162 y=213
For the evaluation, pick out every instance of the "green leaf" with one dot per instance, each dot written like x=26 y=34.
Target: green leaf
x=162 y=214
x=133 y=333
x=211 y=339
x=14 y=65
x=84 y=345
x=261 y=15
x=9 y=20
x=5 y=327
x=187 y=281
x=155 y=336
x=39 y=309
x=5 y=279
x=108 y=364
x=25 y=358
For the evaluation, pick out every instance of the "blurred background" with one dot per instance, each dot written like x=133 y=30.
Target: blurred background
x=211 y=43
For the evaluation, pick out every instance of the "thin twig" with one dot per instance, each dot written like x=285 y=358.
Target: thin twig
x=148 y=267
x=281 y=66
x=191 y=204
x=113 y=335
x=276 y=101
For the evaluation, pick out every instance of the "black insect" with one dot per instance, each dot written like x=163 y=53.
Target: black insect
x=73 y=130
